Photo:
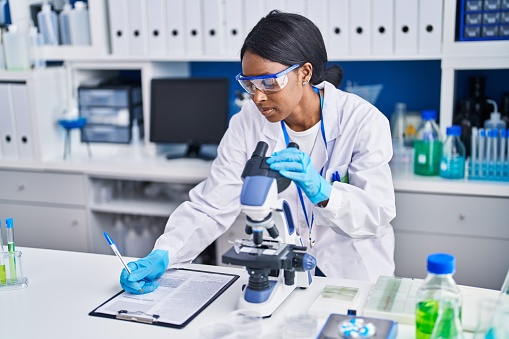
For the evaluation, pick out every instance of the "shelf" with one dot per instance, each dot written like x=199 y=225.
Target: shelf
x=476 y=50
x=468 y=62
x=137 y=206
x=421 y=184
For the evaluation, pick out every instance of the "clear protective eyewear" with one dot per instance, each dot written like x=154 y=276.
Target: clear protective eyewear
x=265 y=83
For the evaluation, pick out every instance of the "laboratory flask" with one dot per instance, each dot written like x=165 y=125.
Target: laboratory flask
x=439 y=301
x=452 y=165
x=428 y=145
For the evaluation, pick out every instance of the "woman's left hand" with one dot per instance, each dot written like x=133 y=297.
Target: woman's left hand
x=296 y=165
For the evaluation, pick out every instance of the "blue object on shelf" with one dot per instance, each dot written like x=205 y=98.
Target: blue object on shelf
x=69 y=125
x=483 y=20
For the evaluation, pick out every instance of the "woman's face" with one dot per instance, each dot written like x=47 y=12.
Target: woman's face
x=274 y=106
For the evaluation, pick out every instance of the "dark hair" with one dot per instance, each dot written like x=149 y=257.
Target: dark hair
x=290 y=39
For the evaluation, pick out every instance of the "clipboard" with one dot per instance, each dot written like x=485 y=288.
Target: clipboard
x=174 y=283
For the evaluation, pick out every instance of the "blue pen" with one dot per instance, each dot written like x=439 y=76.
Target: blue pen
x=115 y=250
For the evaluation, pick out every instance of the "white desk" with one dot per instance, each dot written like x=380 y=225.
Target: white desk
x=63 y=287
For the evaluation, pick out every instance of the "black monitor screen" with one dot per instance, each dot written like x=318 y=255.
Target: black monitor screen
x=188 y=110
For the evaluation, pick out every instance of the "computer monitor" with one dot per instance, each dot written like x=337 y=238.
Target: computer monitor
x=193 y=111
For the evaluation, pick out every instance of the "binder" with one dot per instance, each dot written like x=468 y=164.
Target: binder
x=194 y=31
x=405 y=26
x=360 y=27
x=21 y=111
x=338 y=27
x=383 y=27
x=317 y=12
x=177 y=282
x=119 y=27
x=7 y=125
x=430 y=27
x=274 y=4
x=296 y=6
x=234 y=29
x=213 y=30
x=138 y=39
x=156 y=26
x=253 y=12
x=175 y=12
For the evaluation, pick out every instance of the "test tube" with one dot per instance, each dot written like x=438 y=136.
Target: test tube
x=503 y=138
x=473 y=152
x=482 y=136
x=9 y=227
x=493 y=135
x=3 y=275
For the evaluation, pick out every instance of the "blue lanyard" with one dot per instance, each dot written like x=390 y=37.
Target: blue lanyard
x=287 y=140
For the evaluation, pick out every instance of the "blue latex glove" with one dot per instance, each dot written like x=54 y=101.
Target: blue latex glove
x=297 y=166
x=144 y=271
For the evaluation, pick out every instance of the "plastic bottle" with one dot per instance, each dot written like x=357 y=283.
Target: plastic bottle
x=36 y=41
x=63 y=20
x=495 y=120
x=17 y=55
x=439 y=301
x=428 y=145
x=452 y=165
x=79 y=24
x=48 y=25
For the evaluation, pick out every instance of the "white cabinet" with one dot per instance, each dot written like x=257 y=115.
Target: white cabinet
x=48 y=209
x=472 y=228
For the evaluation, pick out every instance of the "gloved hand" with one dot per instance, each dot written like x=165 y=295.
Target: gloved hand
x=297 y=166
x=144 y=271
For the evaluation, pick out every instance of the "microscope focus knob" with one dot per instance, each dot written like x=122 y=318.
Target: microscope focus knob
x=304 y=262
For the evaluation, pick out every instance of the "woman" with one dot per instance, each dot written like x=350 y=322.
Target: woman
x=343 y=197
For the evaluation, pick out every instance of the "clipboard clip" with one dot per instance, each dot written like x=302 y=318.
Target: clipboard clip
x=137 y=316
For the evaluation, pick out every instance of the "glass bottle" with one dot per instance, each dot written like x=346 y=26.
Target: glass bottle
x=466 y=118
x=439 y=301
x=428 y=145
x=452 y=165
x=481 y=108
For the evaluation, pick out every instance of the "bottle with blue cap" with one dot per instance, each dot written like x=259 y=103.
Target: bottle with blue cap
x=428 y=145
x=439 y=301
x=452 y=165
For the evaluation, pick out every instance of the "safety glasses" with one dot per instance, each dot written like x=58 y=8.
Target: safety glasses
x=265 y=83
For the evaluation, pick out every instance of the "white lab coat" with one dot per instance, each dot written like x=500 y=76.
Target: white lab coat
x=354 y=238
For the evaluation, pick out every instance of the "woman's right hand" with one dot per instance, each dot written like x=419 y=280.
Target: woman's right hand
x=144 y=272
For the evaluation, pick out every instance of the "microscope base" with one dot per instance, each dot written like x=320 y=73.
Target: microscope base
x=266 y=308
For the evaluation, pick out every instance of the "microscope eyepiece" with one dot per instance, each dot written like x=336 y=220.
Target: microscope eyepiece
x=260 y=150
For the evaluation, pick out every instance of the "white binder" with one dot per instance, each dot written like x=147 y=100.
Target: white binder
x=253 y=12
x=119 y=27
x=383 y=27
x=234 y=29
x=7 y=124
x=430 y=27
x=360 y=27
x=317 y=12
x=296 y=6
x=156 y=26
x=338 y=28
x=138 y=37
x=175 y=12
x=194 y=30
x=274 y=4
x=21 y=110
x=405 y=26
x=213 y=29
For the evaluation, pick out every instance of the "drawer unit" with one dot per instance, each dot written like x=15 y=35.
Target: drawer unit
x=452 y=214
x=42 y=187
x=48 y=227
x=473 y=229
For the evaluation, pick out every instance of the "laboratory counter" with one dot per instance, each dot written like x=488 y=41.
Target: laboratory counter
x=63 y=287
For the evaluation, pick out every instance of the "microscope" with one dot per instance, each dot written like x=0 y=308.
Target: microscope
x=274 y=257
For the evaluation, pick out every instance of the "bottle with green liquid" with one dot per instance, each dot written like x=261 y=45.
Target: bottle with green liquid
x=428 y=145
x=439 y=301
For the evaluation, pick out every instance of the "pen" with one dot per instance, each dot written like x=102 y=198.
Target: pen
x=9 y=227
x=117 y=253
